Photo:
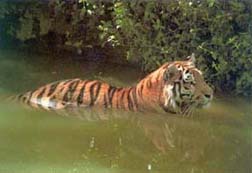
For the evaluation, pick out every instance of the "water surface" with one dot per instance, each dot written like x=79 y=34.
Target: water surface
x=217 y=139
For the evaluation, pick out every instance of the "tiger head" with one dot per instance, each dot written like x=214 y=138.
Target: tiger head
x=184 y=87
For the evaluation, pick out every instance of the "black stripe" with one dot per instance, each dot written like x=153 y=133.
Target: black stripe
x=130 y=103
x=181 y=95
x=174 y=89
x=73 y=89
x=65 y=82
x=40 y=96
x=105 y=101
x=41 y=93
x=53 y=88
x=19 y=97
x=81 y=94
x=121 y=99
x=119 y=89
x=117 y=103
x=179 y=90
x=111 y=92
x=135 y=97
x=29 y=97
x=157 y=77
x=117 y=100
x=149 y=83
x=93 y=96
x=141 y=90
x=68 y=95
x=23 y=99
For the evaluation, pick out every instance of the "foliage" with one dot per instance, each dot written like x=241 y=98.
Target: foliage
x=21 y=20
x=149 y=33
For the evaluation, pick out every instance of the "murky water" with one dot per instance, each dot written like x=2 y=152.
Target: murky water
x=218 y=139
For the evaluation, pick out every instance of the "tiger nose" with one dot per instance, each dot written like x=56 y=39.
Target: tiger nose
x=207 y=93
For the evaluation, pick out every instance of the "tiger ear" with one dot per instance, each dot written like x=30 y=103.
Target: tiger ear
x=170 y=72
x=191 y=59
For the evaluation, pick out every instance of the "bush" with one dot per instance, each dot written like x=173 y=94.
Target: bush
x=218 y=32
x=150 y=33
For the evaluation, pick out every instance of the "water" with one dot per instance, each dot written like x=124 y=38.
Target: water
x=216 y=140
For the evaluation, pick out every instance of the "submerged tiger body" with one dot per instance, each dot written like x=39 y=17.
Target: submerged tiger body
x=175 y=87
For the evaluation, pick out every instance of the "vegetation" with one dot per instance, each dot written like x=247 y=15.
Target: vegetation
x=148 y=33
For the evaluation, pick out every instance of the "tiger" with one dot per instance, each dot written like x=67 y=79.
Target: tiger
x=176 y=87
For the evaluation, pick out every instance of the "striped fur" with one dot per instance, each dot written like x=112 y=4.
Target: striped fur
x=173 y=87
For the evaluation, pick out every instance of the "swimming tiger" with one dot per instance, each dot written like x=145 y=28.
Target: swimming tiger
x=176 y=87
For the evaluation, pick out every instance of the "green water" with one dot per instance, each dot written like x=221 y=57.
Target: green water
x=214 y=140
